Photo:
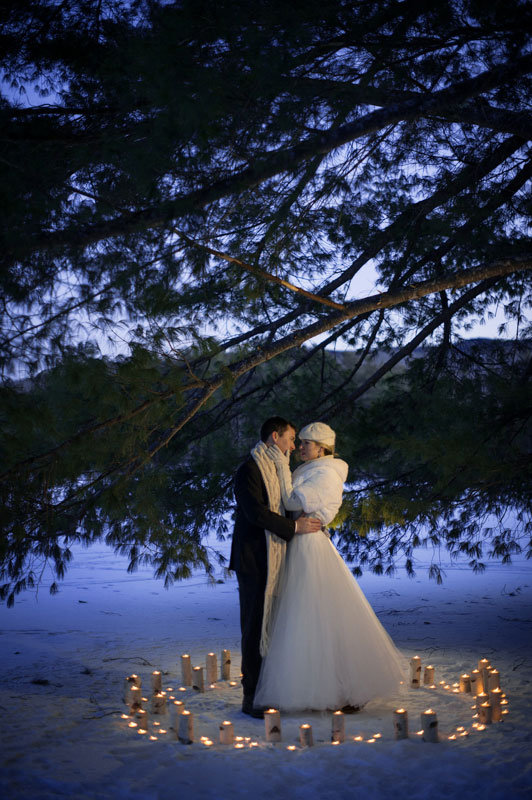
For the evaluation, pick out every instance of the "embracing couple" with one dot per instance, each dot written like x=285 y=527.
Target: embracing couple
x=310 y=639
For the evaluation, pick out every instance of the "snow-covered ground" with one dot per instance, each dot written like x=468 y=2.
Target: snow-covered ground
x=64 y=659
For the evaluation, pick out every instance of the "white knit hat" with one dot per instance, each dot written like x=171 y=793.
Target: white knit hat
x=319 y=432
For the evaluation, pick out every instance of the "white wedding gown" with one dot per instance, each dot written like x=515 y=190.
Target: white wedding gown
x=327 y=647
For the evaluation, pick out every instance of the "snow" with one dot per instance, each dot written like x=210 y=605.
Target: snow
x=66 y=737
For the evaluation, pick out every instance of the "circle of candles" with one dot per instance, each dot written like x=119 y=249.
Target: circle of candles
x=158 y=703
x=415 y=672
x=484 y=713
x=429 y=725
x=198 y=681
x=156 y=681
x=465 y=683
x=400 y=723
x=185 y=732
x=176 y=709
x=227 y=734
x=226 y=665
x=186 y=669
x=338 y=727
x=211 y=668
x=272 y=725
x=305 y=735
x=428 y=675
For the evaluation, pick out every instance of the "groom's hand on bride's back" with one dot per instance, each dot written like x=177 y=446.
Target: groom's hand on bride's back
x=308 y=525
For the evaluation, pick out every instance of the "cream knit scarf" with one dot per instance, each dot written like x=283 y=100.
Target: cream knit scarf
x=275 y=546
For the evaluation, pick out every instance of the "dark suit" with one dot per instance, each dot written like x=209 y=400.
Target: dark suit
x=250 y=562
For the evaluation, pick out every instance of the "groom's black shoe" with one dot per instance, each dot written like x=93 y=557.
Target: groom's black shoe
x=250 y=709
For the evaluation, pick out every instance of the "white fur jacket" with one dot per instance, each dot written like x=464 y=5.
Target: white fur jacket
x=315 y=487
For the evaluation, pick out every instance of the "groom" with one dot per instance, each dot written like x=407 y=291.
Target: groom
x=254 y=519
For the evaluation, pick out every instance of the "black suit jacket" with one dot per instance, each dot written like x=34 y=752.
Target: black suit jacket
x=253 y=517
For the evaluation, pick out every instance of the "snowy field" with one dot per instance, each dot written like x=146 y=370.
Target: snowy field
x=64 y=659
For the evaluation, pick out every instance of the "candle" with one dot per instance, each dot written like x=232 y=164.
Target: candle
x=227 y=734
x=176 y=709
x=496 y=704
x=465 y=683
x=158 y=703
x=141 y=718
x=226 y=665
x=186 y=669
x=429 y=725
x=476 y=682
x=233 y=683
x=415 y=672
x=135 y=694
x=484 y=713
x=156 y=681
x=428 y=675
x=185 y=732
x=338 y=727
x=494 y=679
x=481 y=698
x=400 y=723
x=305 y=735
x=483 y=663
x=198 y=681
x=272 y=724
x=211 y=668
x=129 y=683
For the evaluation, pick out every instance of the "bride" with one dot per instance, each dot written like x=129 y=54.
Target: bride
x=327 y=649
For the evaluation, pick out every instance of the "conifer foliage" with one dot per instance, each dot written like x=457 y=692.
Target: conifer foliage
x=194 y=196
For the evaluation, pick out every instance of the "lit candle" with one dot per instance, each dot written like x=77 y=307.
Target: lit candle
x=198 y=681
x=226 y=665
x=415 y=672
x=481 y=698
x=272 y=724
x=211 y=664
x=227 y=734
x=158 y=703
x=185 y=733
x=186 y=669
x=494 y=679
x=291 y=747
x=358 y=738
x=239 y=745
x=400 y=723
x=135 y=694
x=496 y=707
x=428 y=675
x=476 y=682
x=484 y=713
x=465 y=683
x=156 y=681
x=233 y=683
x=338 y=727
x=429 y=725
x=485 y=669
x=176 y=709
x=141 y=718
x=129 y=683
x=483 y=663
x=305 y=735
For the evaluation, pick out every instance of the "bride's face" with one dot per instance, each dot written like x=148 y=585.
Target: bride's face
x=309 y=450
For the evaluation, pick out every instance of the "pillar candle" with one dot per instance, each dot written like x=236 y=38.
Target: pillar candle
x=484 y=714
x=198 y=681
x=465 y=683
x=429 y=725
x=494 y=680
x=135 y=697
x=305 y=735
x=158 y=703
x=129 y=683
x=400 y=723
x=415 y=672
x=141 y=718
x=186 y=670
x=176 y=709
x=156 y=681
x=495 y=702
x=226 y=664
x=476 y=682
x=272 y=724
x=428 y=675
x=185 y=733
x=227 y=734
x=211 y=664
x=338 y=727
x=481 y=698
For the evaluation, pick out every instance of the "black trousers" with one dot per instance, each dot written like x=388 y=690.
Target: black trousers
x=251 y=593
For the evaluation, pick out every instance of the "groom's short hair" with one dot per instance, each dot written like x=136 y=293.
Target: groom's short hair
x=278 y=424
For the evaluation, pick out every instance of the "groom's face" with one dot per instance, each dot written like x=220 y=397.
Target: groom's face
x=286 y=441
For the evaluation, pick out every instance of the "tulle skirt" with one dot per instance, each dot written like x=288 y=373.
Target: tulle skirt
x=327 y=647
